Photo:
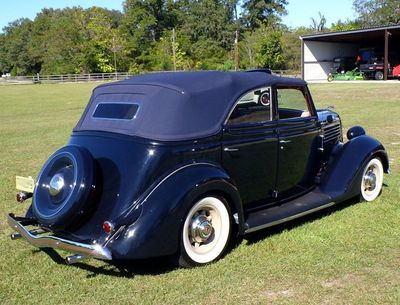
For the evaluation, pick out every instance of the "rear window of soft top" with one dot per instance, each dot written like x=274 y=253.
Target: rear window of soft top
x=116 y=111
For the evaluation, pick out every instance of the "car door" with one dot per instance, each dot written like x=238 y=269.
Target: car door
x=298 y=132
x=250 y=145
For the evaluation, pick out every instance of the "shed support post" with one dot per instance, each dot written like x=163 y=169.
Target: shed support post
x=385 y=59
x=302 y=58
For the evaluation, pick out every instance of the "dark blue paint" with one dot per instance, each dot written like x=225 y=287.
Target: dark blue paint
x=149 y=173
x=342 y=179
x=157 y=231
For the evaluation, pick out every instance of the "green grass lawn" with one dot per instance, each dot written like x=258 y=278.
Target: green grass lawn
x=346 y=255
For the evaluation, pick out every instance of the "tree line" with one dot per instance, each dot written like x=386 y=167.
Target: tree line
x=154 y=35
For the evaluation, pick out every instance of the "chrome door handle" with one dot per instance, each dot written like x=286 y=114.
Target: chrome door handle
x=228 y=149
x=284 y=141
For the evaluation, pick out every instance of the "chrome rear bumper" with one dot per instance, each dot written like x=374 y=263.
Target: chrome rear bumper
x=48 y=241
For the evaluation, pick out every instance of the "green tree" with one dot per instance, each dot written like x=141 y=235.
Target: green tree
x=106 y=42
x=262 y=48
x=262 y=12
x=77 y=40
x=377 y=12
x=39 y=40
x=160 y=58
x=58 y=41
x=74 y=40
x=16 y=39
x=291 y=45
x=347 y=25
x=248 y=49
x=5 y=65
x=270 y=52
x=62 y=43
x=143 y=22
x=206 y=31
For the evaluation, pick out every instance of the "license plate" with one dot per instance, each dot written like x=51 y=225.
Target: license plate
x=25 y=184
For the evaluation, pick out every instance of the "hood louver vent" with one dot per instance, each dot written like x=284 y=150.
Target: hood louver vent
x=332 y=132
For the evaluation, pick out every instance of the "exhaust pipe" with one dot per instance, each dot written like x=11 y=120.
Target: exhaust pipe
x=72 y=259
x=15 y=235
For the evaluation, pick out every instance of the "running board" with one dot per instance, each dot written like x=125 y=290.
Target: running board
x=306 y=204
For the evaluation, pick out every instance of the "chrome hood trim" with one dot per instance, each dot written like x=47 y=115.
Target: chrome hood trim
x=48 y=241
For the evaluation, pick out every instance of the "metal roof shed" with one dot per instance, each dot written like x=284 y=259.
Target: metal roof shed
x=319 y=50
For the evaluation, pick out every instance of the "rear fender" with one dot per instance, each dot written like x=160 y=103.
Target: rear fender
x=156 y=232
x=346 y=164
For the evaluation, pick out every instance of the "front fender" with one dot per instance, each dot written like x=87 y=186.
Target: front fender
x=344 y=169
x=156 y=232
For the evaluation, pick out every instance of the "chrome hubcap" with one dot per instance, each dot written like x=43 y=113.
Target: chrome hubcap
x=370 y=180
x=56 y=184
x=201 y=229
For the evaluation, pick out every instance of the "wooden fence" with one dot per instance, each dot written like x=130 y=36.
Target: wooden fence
x=68 y=78
x=91 y=77
x=71 y=78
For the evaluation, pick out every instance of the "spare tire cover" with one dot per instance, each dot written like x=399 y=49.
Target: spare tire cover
x=63 y=187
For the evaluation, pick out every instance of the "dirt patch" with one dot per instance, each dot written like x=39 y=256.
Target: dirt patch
x=274 y=295
x=341 y=282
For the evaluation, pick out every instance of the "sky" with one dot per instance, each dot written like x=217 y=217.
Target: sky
x=299 y=11
x=14 y=9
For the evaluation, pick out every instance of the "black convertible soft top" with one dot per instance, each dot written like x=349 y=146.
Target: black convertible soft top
x=173 y=106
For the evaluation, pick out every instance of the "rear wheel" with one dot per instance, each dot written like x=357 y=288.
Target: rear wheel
x=205 y=233
x=372 y=180
x=379 y=75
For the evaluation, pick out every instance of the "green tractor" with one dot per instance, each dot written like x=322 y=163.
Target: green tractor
x=354 y=74
x=344 y=68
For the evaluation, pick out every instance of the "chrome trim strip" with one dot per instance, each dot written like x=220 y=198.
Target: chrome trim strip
x=111 y=237
x=173 y=173
x=142 y=200
x=86 y=250
x=277 y=222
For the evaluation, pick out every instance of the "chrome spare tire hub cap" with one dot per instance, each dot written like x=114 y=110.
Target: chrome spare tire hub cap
x=370 y=180
x=56 y=184
x=200 y=229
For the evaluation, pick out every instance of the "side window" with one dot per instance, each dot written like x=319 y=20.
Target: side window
x=292 y=103
x=253 y=107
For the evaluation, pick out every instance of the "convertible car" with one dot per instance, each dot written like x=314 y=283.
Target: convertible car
x=179 y=164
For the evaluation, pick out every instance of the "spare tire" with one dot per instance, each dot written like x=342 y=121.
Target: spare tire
x=63 y=187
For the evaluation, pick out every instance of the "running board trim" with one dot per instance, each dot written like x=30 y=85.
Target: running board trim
x=277 y=222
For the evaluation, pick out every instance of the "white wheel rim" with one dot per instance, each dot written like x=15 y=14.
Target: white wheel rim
x=201 y=244
x=372 y=180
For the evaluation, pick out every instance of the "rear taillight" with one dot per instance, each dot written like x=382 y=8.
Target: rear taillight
x=108 y=227
x=22 y=196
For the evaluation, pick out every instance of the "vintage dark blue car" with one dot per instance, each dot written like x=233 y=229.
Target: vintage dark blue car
x=178 y=164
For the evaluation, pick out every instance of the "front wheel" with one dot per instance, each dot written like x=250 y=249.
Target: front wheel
x=372 y=180
x=205 y=232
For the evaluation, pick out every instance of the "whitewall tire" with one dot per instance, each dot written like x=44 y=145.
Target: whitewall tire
x=205 y=232
x=372 y=180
